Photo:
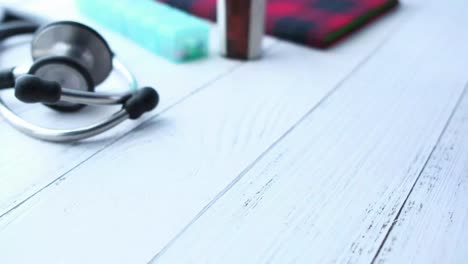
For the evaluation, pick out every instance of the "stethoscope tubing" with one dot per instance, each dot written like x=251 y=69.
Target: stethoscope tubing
x=61 y=135
x=68 y=135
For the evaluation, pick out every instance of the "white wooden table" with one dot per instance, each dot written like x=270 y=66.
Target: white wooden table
x=356 y=154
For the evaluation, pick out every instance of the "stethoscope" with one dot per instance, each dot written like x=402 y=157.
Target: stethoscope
x=69 y=60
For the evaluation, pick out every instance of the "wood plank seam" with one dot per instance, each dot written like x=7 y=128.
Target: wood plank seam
x=272 y=146
x=403 y=205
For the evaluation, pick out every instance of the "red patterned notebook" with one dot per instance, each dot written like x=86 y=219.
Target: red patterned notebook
x=317 y=23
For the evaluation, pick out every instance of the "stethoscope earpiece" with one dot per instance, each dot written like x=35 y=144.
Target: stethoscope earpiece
x=145 y=100
x=69 y=60
x=32 y=89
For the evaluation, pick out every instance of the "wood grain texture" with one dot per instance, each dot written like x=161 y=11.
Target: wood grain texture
x=433 y=225
x=131 y=199
x=329 y=191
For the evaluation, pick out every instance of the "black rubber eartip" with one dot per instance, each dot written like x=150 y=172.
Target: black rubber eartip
x=31 y=89
x=144 y=100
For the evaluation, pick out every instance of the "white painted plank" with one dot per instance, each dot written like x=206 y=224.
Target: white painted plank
x=433 y=225
x=126 y=203
x=329 y=191
x=28 y=165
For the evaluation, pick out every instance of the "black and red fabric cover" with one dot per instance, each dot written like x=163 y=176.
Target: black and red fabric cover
x=317 y=23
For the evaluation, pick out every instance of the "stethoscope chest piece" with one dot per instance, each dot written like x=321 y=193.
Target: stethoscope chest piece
x=75 y=41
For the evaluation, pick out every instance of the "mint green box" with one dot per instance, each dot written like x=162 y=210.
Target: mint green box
x=164 y=30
